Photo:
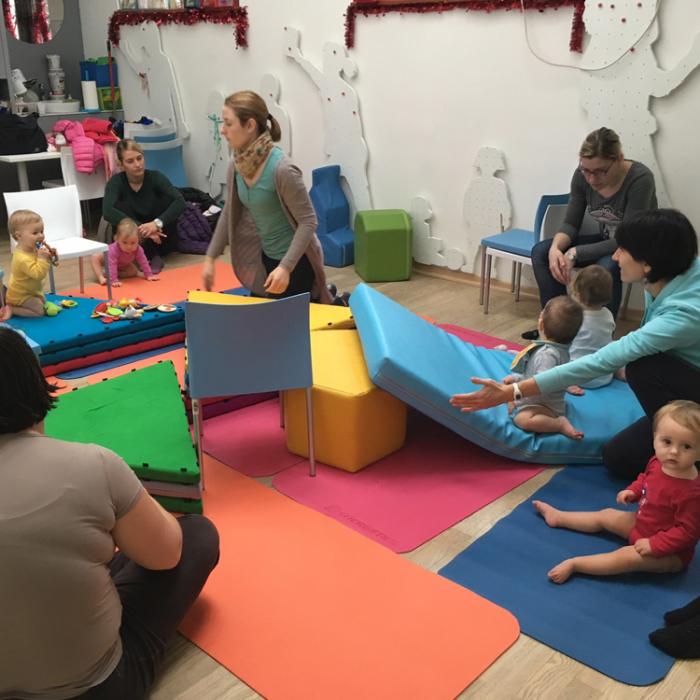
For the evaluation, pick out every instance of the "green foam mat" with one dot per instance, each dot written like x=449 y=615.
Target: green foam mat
x=139 y=415
x=180 y=505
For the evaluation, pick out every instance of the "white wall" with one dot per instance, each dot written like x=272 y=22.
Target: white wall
x=433 y=88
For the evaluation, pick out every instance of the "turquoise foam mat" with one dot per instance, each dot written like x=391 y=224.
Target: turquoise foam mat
x=72 y=333
x=423 y=366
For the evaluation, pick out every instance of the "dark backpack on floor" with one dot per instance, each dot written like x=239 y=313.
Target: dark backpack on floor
x=193 y=230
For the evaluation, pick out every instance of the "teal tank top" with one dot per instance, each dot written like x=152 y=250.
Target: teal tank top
x=263 y=203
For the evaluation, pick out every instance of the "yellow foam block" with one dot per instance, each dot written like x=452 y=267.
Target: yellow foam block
x=321 y=316
x=355 y=422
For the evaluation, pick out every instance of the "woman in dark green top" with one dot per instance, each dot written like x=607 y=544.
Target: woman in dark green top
x=147 y=197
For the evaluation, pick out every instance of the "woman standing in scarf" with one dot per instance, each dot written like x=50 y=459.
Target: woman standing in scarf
x=268 y=220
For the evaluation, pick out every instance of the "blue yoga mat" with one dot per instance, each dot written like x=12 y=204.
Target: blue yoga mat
x=602 y=622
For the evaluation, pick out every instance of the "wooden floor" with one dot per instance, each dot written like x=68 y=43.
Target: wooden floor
x=528 y=669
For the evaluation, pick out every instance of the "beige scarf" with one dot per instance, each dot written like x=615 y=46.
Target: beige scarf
x=249 y=159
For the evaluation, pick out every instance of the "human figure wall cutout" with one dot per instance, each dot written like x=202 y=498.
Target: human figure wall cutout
x=487 y=209
x=344 y=139
x=616 y=93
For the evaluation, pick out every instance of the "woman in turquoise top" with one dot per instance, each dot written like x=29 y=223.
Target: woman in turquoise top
x=268 y=220
x=662 y=357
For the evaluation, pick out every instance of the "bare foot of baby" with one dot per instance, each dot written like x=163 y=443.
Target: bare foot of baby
x=549 y=513
x=575 y=390
x=102 y=280
x=5 y=313
x=569 y=430
x=561 y=573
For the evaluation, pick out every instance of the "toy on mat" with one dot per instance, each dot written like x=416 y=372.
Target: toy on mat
x=68 y=303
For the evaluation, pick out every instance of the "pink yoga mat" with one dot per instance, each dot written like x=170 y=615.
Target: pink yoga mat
x=250 y=440
x=476 y=338
x=405 y=499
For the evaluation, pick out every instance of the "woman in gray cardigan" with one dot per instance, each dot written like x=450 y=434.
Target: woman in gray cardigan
x=609 y=189
x=268 y=220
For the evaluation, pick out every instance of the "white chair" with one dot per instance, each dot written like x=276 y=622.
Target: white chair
x=59 y=207
x=90 y=185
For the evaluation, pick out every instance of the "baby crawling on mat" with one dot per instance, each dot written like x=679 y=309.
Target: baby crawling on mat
x=126 y=256
x=662 y=534
x=558 y=325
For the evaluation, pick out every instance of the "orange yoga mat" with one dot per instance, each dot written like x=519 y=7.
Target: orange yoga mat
x=177 y=357
x=301 y=607
x=172 y=286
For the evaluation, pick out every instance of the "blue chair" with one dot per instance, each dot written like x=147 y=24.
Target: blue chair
x=333 y=213
x=148 y=133
x=248 y=349
x=167 y=157
x=516 y=244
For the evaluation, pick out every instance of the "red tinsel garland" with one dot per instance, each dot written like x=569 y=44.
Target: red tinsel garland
x=214 y=15
x=41 y=32
x=372 y=7
x=9 y=21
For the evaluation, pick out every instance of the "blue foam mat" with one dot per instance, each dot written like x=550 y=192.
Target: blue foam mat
x=424 y=366
x=117 y=362
x=602 y=622
x=74 y=334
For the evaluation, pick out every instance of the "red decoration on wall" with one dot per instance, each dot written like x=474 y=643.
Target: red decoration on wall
x=384 y=7
x=41 y=32
x=237 y=16
x=9 y=19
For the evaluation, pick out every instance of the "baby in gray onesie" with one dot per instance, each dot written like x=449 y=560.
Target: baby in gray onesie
x=558 y=325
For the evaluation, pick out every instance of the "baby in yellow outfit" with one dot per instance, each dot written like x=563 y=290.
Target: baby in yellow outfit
x=31 y=261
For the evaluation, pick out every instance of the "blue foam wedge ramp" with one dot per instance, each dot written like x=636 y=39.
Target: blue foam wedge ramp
x=424 y=366
x=601 y=621
x=333 y=213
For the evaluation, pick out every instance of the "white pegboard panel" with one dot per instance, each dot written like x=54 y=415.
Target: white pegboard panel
x=159 y=97
x=344 y=139
x=487 y=209
x=217 y=147
x=620 y=75
x=270 y=92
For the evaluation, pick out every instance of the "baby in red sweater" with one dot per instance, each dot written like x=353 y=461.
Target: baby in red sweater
x=662 y=534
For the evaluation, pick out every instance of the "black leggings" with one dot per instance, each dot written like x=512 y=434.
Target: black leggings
x=167 y=244
x=656 y=380
x=153 y=605
x=301 y=278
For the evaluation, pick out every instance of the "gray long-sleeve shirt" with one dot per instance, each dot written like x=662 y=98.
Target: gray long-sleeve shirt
x=637 y=193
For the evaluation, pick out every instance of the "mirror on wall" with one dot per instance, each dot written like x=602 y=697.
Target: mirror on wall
x=33 y=21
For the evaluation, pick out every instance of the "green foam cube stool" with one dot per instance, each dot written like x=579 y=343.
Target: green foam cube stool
x=383 y=245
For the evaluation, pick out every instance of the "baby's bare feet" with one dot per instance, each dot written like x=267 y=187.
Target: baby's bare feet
x=569 y=430
x=561 y=573
x=549 y=513
x=102 y=280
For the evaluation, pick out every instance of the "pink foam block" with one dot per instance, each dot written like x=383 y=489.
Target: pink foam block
x=405 y=499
